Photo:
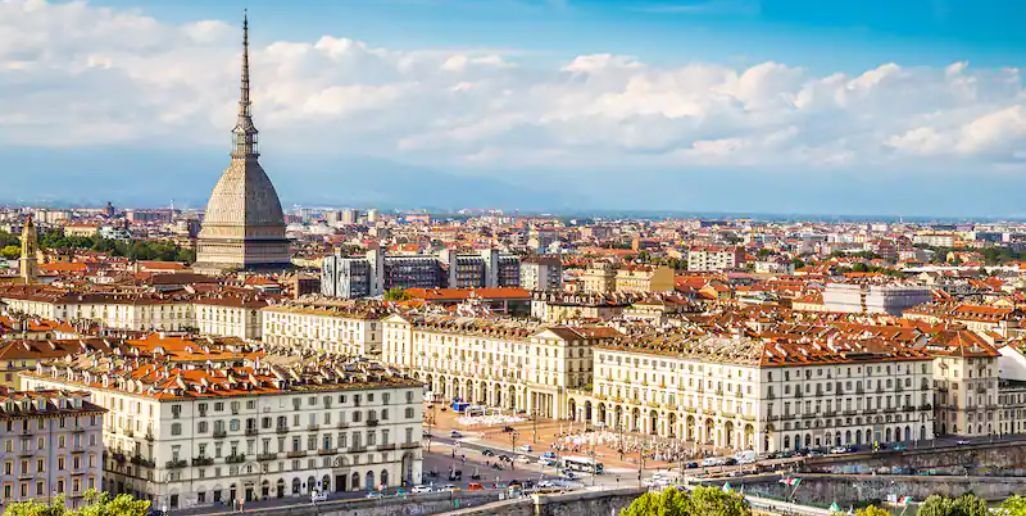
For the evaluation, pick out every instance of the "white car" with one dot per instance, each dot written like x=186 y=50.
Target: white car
x=526 y=448
x=837 y=450
x=318 y=496
x=421 y=489
x=524 y=459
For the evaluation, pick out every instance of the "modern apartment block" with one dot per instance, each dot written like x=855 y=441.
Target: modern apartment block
x=376 y=272
x=541 y=273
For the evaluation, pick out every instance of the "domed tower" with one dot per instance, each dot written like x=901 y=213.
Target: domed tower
x=243 y=227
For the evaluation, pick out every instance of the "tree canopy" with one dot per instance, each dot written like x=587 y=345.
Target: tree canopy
x=965 y=505
x=701 y=501
x=97 y=504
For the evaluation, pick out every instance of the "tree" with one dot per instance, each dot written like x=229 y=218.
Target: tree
x=965 y=505
x=10 y=252
x=702 y=501
x=872 y=510
x=1013 y=506
x=396 y=294
x=97 y=504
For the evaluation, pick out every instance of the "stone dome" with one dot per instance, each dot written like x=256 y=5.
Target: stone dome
x=244 y=196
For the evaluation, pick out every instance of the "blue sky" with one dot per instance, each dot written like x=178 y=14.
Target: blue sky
x=897 y=108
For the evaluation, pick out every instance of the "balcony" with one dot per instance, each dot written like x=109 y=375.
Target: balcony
x=176 y=464
x=282 y=429
x=357 y=449
x=118 y=457
x=235 y=459
x=295 y=454
x=926 y=406
x=343 y=424
x=410 y=446
x=386 y=447
x=149 y=436
x=138 y=460
x=203 y=461
x=313 y=427
x=252 y=431
x=372 y=422
x=220 y=434
x=78 y=430
x=264 y=457
x=327 y=451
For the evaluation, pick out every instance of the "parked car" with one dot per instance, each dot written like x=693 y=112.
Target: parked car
x=375 y=495
x=487 y=453
x=731 y=461
x=318 y=496
x=899 y=447
x=421 y=489
x=962 y=442
x=524 y=459
x=691 y=465
x=455 y=435
x=549 y=455
x=837 y=450
x=449 y=487
x=526 y=448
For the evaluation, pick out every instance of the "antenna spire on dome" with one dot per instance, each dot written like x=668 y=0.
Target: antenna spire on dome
x=245 y=133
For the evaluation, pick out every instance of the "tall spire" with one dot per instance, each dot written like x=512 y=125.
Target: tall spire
x=245 y=133
x=29 y=262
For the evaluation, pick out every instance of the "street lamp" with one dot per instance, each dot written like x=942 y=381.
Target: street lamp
x=431 y=424
x=513 y=449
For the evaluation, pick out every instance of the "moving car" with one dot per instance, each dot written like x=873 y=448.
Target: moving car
x=487 y=453
x=962 y=442
x=455 y=434
x=318 y=496
x=524 y=459
x=375 y=495
x=421 y=489
x=526 y=448
x=475 y=486
x=837 y=450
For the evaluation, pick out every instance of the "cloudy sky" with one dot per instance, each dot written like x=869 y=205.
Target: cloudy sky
x=914 y=108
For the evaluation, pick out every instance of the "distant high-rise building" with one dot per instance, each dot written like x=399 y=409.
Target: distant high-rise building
x=243 y=227
x=541 y=273
x=372 y=215
x=350 y=216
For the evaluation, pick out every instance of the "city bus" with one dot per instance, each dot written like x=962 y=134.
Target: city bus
x=581 y=464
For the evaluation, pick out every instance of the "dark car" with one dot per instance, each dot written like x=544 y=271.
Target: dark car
x=731 y=461
x=507 y=429
x=504 y=458
x=691 y=465
x=487 y=453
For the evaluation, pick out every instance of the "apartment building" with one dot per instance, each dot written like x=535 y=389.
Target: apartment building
x=209 y=425
x=744 y=393
x=376 y=272
x=715 y=258
x=52 y=445
x=495 y=362
x=541 y=273
x=892 y=299
x=347 y=327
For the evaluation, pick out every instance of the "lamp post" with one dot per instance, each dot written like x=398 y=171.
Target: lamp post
x=513 y=449
x=431 y=424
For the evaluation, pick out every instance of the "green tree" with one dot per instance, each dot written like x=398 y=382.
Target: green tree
x=1014 y=506
x=97 y=504
x=396 y=294
x=965 y=505
x=872 y=510
x=700 y=502
x=7 y=239
x=10 y=252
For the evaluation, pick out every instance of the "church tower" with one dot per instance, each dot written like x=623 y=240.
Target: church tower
x=29 y=261
x=243 y=227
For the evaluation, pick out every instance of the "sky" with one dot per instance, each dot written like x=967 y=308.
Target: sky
x=912 y=108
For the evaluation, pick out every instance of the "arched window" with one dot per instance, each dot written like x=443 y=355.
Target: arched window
x=295 y=486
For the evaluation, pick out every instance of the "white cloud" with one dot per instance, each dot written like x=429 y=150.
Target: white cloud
x=76 y=75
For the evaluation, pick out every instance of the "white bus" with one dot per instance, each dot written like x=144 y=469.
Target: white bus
x=581 y=464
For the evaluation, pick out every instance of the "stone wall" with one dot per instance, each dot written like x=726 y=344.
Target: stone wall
x=823 y=489
x=581 y=503
x=435 y=503
x=996 y=459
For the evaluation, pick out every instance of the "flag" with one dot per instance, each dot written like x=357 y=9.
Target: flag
x=791 y=481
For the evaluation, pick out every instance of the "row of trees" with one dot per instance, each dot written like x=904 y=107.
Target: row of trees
x=97 y=504
x=10 y=247
x=713 y=501
x=701 y=501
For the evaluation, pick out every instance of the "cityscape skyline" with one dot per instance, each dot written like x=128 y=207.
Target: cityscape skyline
x=419 y=121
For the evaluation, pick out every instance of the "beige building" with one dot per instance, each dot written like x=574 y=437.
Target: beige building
x=740 y=393
x=349 y=327
x=205 y=426
x=498 y=363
